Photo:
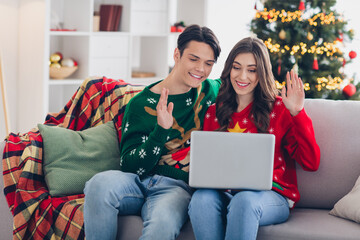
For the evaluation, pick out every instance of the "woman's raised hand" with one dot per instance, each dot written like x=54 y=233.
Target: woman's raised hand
x=164 y=110
x=293 y=95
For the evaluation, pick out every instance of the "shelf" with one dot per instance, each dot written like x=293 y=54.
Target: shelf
x=67 y=81
x=110 y=33
x=69 y=33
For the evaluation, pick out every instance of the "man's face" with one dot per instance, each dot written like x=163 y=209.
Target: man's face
x=195 y=65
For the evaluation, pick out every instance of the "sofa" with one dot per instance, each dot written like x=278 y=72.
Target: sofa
x=337 y=130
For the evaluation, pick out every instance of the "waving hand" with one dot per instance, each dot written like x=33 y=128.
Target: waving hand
x=164 y=111
x=293 y=95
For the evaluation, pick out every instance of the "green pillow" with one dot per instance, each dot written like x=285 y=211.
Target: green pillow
x=72 y=157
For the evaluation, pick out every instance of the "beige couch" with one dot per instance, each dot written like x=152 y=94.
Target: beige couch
x=337 y=130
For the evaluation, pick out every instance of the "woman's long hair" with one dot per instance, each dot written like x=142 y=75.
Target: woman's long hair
x=264 y=93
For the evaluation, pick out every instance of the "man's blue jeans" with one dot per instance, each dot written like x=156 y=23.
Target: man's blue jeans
x=219 y=215
x=161 y=201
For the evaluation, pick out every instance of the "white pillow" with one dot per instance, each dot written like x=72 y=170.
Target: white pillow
x=348 y=207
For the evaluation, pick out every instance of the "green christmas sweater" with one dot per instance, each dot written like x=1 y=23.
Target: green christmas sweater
x=147 y=148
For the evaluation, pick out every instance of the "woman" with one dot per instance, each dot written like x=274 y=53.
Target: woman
x=248 y=98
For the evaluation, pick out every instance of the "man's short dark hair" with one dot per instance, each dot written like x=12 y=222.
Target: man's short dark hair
x=199 y=34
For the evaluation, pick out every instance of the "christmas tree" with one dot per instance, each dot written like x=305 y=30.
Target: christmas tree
x=308 y=36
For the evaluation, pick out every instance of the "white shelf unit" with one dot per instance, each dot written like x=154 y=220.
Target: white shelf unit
x=140 y=44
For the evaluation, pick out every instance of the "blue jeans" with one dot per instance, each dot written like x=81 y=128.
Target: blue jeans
x=161 y=201
x=215 y=214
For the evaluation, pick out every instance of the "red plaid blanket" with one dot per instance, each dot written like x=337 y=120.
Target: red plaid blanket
x=37 y=215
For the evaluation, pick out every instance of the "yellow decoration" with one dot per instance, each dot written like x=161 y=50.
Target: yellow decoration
x=237 y=129
x=309 y=36
x=273 y=15
x=279 y=85
x=325 y=48
x=55 y=57
x=328 y=83
x=282 y=34
x=56 y=65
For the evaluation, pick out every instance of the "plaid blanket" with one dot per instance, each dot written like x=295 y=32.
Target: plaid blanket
x=38 y=215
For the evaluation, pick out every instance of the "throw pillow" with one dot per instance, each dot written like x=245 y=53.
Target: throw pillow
x=72 y=157
x=348 y=206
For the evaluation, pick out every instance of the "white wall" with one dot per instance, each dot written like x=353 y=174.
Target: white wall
x=32 y=45
x=229 y=19
x=9 y=50
x=351 y=14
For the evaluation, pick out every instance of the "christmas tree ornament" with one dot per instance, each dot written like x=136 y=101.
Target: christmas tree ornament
x=55 y=65
x=279 y=67
x=343 y=62
x=296 y=68
x=352 y=54
x=349 y=90
x=340 y=38
x=56 y=57
x=302 y=5
x=67 y=62
x=282 y=34
x=315 y=65
x=310 y=36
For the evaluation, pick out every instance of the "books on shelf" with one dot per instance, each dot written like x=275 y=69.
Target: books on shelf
x=110 y=16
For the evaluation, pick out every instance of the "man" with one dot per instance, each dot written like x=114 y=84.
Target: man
x=154 y=146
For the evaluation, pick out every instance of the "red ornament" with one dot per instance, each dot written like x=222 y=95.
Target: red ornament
x=340 y=38
x=349 y=90
x=315 y=64
x=279 y=67
x=302 y=5
x=60 y=54
x=352 y=54
x=344 y=62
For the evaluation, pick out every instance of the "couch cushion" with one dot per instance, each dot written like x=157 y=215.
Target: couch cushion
x=349 y=206
x=337 y=131
x=73 y=157
x=130 y=228
x=311 y=224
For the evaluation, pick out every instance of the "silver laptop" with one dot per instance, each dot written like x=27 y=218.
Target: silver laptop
x=226 y=160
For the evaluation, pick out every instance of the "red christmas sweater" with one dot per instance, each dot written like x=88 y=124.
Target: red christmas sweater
x=294 y=141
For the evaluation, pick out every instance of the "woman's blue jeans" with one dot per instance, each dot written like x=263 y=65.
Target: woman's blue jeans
x=161 y=201
x=216 y=214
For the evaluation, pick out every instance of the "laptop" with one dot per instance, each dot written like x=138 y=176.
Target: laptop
x=225 y=160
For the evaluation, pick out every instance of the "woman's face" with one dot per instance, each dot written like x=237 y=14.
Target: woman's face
x=243 y=75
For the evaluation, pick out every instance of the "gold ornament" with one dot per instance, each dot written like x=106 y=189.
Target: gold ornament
x=56 y=65
x=282 y=34
x=55 y=57
x=309 y=36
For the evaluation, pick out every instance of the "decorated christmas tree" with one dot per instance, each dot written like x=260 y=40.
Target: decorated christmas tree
x=308 y=36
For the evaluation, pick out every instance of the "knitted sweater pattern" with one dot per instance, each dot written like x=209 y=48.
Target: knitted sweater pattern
x=294 y=142
x=147 y=148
